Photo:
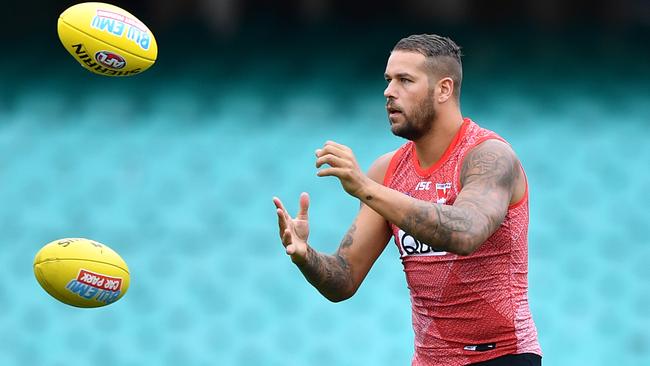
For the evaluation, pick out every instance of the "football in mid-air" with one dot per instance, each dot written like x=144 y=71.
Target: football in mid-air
x=81 y=272
x=106 y=39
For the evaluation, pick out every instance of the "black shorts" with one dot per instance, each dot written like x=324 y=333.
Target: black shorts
x=524 y=359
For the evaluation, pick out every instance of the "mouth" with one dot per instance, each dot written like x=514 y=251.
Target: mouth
x=393 y=111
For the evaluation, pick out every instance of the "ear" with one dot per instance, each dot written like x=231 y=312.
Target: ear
x=445 y=90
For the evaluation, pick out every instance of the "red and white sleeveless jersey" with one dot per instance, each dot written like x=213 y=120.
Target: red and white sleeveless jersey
x=465 y=309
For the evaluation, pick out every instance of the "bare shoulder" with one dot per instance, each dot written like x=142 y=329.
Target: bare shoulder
x=492 y=160
x=378 y=169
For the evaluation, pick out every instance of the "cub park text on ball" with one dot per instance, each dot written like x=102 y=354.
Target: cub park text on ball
x=81 y=272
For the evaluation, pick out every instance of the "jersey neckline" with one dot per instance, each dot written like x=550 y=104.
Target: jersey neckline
x=445 y=156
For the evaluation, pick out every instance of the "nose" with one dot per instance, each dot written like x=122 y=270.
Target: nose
x=389 y=92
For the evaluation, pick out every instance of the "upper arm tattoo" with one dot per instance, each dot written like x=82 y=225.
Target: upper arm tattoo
x=488 y=175
x=491 y=163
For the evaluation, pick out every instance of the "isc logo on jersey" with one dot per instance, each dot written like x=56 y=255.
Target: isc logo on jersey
x=412 y=246
x=442 y=190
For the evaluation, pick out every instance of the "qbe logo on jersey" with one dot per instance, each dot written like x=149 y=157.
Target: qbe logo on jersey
x=409 y=245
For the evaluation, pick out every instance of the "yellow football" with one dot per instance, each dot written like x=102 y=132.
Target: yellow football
x=81 y=272
x=107 y=40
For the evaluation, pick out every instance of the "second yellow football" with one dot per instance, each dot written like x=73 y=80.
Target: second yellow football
x=81 y=272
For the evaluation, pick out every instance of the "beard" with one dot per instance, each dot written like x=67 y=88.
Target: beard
x=416 y=123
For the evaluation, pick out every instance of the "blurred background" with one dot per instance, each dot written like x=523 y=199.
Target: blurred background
x=175 y=170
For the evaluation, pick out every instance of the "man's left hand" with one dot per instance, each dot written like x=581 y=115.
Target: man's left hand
x=343 y=165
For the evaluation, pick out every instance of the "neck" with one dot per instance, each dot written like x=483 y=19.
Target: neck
x=434 y=143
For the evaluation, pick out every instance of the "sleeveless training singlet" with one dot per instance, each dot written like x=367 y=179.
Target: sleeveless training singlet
x=465 y=309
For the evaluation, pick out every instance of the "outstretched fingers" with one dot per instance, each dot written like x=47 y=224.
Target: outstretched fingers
x=303 y=213
x=284 y=219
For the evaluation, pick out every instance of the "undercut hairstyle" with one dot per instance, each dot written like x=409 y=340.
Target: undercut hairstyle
x=442 y=56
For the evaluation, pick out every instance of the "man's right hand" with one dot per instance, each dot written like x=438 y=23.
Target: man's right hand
x=294 y=232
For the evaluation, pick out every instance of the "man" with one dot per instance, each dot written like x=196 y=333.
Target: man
x=454 y=198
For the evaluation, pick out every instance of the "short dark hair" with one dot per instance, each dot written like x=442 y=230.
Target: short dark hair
x=442 y=54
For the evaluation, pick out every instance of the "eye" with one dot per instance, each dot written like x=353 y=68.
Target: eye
x=404 y=80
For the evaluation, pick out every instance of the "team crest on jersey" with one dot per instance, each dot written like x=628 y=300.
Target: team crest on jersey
x=412 y=246
x=442 y=190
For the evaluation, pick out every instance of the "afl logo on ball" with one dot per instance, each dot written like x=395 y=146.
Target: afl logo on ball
x=110 y=59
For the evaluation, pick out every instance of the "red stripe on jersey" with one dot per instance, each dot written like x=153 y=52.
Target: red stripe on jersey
x=393 y=164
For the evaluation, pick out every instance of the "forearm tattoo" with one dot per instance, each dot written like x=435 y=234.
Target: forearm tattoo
x=330 y=274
